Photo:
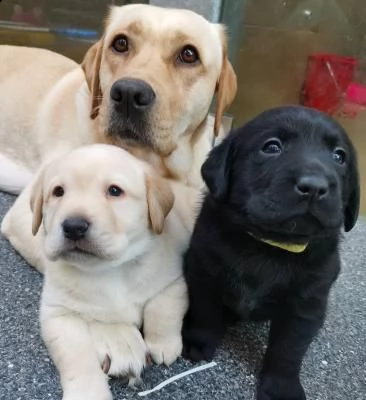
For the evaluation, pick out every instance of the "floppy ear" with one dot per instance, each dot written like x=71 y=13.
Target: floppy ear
x=36 y=202
x=215 y=170
x=91 y=66
x=160 y=200
x=226 y=86
x=352 y=207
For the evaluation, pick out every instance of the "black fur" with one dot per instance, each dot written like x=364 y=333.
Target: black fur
x=302 y=193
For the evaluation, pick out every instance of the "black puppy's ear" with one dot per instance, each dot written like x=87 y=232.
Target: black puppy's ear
x=215 y=170
x=352 y=207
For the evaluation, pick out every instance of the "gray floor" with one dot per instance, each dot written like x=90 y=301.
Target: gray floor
x=334 y=368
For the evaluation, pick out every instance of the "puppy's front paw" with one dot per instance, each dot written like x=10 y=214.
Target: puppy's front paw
x=121 y=349
x=272 y=387
x=164 y=350
x=91 y=396
x=91 y=389
x=199 y=345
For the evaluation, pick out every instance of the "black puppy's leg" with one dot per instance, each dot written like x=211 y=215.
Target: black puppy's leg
x=288 y=342
x=203 y=325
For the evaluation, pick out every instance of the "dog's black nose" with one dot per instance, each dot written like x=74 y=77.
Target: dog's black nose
x=135 y=94
x=75 y=228
x=312 y=186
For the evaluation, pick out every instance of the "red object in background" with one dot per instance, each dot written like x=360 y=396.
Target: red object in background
x=327 y=79
x=356 y=94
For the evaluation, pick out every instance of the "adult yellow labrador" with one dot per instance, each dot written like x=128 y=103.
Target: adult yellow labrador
x=146 y=85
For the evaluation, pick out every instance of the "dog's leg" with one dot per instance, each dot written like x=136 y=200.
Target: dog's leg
x=289 y=340
x=72 y=349
x=204 y=324
x=163 y=318
x=13 y=177
x=17 y=228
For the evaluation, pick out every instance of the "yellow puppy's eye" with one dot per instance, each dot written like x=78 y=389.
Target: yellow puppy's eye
x=58 y=191
x=115 y=191
x=120 y=44
x=189 y=55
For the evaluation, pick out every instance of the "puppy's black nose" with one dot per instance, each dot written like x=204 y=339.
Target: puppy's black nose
x=312 y=186
x=75 y=228
x=135 y=94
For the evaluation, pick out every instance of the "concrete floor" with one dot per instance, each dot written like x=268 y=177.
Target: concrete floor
x=334 y=368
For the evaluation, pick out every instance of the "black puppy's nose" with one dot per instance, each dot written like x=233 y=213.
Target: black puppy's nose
x=312 y=186
x=134 y=93
x=75 y=228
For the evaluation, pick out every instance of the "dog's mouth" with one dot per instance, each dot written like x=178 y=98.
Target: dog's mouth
x=132 y=130
x=138 y=132
x=298 y=229
x=79 y=250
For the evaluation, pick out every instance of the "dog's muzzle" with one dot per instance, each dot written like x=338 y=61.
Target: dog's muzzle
x=75 y=228
x=312 y=187
x=132 y=97
x=131 y=101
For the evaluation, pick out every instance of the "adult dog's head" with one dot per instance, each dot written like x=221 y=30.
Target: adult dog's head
x=99 y=206
x=290 y=175
x=153 y=75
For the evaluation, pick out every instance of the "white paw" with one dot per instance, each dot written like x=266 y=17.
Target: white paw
x=87 y=390
x=121 y=349
x=165 y=349
x=91 y=396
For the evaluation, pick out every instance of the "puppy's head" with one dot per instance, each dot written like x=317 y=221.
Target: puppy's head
x=99 y=206
x=289 y=174
x=154 y=73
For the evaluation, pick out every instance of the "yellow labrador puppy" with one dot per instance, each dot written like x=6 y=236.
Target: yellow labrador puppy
x=112 y=238
x=146 y=85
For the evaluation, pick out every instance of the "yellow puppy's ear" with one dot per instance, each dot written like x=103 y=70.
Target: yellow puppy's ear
x=91 y=66
x=36 y=202
x=227 y=84
x=160 y=200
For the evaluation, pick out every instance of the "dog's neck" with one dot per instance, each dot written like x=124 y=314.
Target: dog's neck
x=183 y=164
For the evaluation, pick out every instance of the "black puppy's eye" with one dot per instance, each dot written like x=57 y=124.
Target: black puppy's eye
x=188 y=55
x=120 y=44
x=272 y=146
x=339 y=156
x=115 y=191
x=58 y=191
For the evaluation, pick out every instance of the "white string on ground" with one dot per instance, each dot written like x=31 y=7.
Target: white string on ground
x=176 y=377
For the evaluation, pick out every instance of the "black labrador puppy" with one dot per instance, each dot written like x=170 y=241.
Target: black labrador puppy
x=266 y=242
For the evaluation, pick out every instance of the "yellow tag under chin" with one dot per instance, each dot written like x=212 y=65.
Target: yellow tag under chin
x=293 y=248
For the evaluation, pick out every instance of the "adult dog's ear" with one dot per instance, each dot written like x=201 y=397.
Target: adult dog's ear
x=226 y=87
x=91 y=66
x=36 y=202
x=160 y=200
x=352 y=205
x=215 y=170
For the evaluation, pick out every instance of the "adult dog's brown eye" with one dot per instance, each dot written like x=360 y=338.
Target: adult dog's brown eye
x=115 y=191
x=189 y=55
x=58 y=191
x=339 y=156
x=272 y=147
x=120 y=44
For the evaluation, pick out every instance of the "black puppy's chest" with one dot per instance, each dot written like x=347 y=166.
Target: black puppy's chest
x=259 y=287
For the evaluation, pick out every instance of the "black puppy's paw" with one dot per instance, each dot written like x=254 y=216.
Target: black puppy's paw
x=199 y=345
x=274 y=387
